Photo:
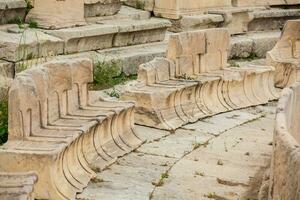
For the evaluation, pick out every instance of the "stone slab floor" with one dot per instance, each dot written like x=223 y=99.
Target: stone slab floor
x=222 y=157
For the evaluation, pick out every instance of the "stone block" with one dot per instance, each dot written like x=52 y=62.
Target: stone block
x=63 y=131
x=235 y=19
x=285 y=56
x=272 y=19
x=286 y=153
x=86 y=38
x=141 y=4
x=17 y=186
x=53 y=14
x=12 y=10
x=174 y=9
x=95 y=8
x=241 y=3
x=28 y=45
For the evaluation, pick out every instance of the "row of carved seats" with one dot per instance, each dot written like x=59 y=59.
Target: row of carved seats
x=194 y=81
x=61 y=130
x=285 y=56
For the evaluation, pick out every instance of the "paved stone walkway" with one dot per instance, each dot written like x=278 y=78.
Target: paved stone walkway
x=222 y=157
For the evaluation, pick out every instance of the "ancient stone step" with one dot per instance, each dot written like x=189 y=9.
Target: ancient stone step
x=12 y=11
x=69 y=132
x=125 y=12
x=285 y=56
x=195 y=82
x=241 y=3
x=272 y=19
x=28 y=44
x=17 y=186
x=237 y=19
x=196 y=22
x=253 y=44
x=93 y=8
x=172 y=9
x=111 y=33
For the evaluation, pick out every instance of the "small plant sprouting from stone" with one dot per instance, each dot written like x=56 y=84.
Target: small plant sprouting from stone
x=29 y=6
x=113 y=93
x=196 y=144
x=3 y=121
x=161 y=180
x=233 y=64
x=185 y=77
x=197 y=173
x=210 y=195
x=108 y=74
x=33 y=24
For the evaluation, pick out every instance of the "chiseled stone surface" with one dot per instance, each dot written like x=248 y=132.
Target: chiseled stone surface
x=285 y=171
x=111 y=33
x=93 y=8
x=28 y=44
x=184 y=164
x=17 y=186
x=51 y=14
x=62 y=131
x=285 y=56
x=11 y=10
x=173 y=9
x=263 y=2
x=195 y=82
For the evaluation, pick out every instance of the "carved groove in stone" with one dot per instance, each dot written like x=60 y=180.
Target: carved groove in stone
x=195 y=82
x=61 y=130
x=285 y=56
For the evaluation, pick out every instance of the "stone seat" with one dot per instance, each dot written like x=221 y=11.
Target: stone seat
x=194 y=82
x=59 y=130
x=285 y=56
x=285 y=165
x=17 y=186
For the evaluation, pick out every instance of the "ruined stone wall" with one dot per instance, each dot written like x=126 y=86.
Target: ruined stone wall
x=285 y=172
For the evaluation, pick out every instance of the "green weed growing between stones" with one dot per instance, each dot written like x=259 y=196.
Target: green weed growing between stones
x=3 y=121
x=108 y=74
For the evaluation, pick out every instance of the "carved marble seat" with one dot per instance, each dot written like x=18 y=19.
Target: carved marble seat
x=195 y=82
x=285 y=56
x=61 y=131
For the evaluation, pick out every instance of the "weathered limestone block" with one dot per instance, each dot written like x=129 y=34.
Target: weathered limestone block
x=111 y=33
x=86 y=38
x=140 y=31
x=173 y=9
x=11 y=10
x=61 y=130
x=93 y=8
x=272 y=19
x=141 y=4
x=196 y=22
x=194 y=82
x=28 y=45
x=235 y=19
x=285 y=167
x=54 y=14
x=263 y=2
x=285 y=56
x=17 y=186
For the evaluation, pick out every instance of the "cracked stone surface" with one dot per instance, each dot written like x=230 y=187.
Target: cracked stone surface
x=220 y=157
